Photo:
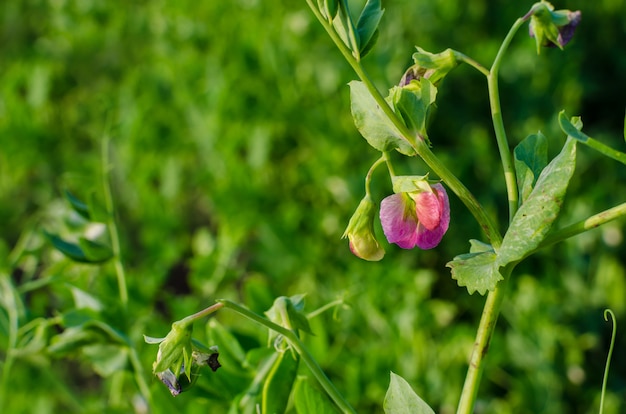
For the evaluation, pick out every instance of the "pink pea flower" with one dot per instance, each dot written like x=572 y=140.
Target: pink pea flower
x=419 y=218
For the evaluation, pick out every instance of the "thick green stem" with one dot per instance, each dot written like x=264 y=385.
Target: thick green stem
x=498 y=124
x=308 y=359
x=494 y=300
x=488 y=320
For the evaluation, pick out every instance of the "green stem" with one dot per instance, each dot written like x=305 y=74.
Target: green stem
x=308 y=359
x=111 y=225
x=368 y=177
x=608 y=358
x=205 y=312
x=498 y=124
x=584 y=225
x=488 y=320
x=491 y=310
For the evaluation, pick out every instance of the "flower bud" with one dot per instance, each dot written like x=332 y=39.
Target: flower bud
x=552 y=28
x=360 y=232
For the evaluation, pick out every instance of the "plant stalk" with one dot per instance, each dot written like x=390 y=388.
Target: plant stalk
x=308 y=359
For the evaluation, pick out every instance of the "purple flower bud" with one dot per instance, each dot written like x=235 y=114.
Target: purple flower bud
x=419 y=218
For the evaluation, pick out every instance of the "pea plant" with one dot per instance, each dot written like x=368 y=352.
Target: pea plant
x=417 y=214
x=284 y=375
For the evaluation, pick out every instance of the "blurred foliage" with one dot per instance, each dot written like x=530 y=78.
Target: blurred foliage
x=235 y=169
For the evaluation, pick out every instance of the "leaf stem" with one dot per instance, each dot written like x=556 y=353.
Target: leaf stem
x=582 y=226
x=308 y=359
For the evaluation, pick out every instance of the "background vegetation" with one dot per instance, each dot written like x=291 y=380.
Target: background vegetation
x=236 y=167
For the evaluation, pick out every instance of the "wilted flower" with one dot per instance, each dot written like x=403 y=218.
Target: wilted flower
x=417 y=218
x=360 y=232
x=552 y=28
x=177 y=361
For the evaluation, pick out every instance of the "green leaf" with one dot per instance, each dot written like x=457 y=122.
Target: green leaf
x=531 y=157
x=309 y=400
x=413 y=103
x=94 y=251
x=83 y=300
x=107 y=359
x=70 y=250
x=401 y=399
x=86 y=251
x=367 y=25
x=279 y=383
x=533 y=220
x=373 y=124
x=288 y=312
x=344 y=27
x=77 y=205
x=477 y=270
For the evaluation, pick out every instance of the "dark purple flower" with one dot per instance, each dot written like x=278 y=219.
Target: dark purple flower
x=419 y=218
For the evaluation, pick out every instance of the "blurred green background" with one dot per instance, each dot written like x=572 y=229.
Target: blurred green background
x=235 y=169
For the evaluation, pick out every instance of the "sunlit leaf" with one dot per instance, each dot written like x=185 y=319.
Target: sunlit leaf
x=401 y=399
x=477 y=270
x=372 y=122
x=533 y=220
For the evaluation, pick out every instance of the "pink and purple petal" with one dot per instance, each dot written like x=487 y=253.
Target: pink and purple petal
x=427 y=239
x=398 y=221
x=428 y=209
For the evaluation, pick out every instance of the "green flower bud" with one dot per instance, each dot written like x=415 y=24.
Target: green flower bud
x=175 y=350
x=360 y=232
x=432 y=66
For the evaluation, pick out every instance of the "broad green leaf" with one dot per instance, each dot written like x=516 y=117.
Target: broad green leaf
x=373 y=124
x=401 y=399
x=531 y=157
x=477 y=271
x=367 y=26
x=309 y=400
x=413 y=103
x=279 y=383
x=534 y=218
